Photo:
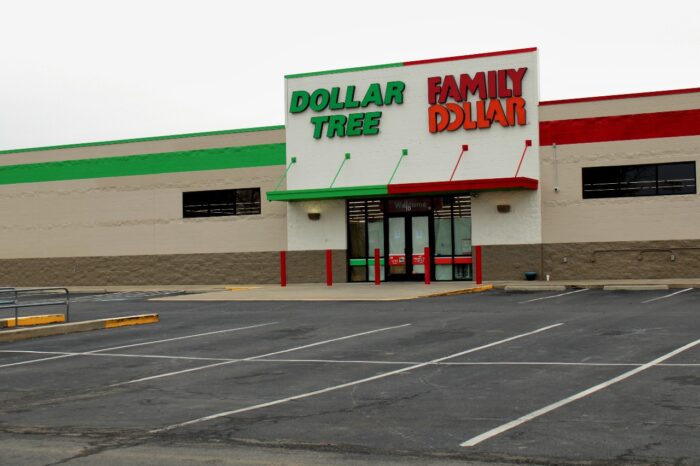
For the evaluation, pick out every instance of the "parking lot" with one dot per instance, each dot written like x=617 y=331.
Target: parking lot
x=544 y=378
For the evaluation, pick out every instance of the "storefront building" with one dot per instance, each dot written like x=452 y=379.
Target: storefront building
x=419 y=162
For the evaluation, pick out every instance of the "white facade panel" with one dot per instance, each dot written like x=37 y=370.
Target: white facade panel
x=493 y=152
x=328 y=232
x=521 y=225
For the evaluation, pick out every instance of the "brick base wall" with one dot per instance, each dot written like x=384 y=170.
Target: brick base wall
x=176 y=269
x=580 y=261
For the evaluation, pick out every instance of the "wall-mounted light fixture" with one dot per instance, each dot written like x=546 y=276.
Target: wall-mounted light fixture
x=314 y=214
x=503 y=208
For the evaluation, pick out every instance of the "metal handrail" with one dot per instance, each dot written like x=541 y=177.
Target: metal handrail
x=17 y=294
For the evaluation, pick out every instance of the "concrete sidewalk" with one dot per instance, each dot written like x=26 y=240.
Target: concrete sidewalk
x=369 y=292
x=602 y=283
x=338 y=292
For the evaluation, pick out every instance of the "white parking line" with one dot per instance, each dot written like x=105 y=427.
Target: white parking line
x=196 y=335
x=480 y=363
x=361 y=361
x=528 y=417
x=311 y=345
x=138 y=344
x=36 y=360
x=554 y=296
x=121 y=355
x=666 y=296
x=349 y=384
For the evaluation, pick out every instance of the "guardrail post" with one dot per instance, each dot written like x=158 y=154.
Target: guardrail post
x=283 y=268
x=329 y=268
x=67 y=305
x=14 y=304
x=377 y=268
x=426 y=265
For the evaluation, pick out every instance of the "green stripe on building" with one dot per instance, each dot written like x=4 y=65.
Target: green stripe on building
x=363 y=262
x=343 y=70
x=146 y=139
x=150 y=164
x=328 y=193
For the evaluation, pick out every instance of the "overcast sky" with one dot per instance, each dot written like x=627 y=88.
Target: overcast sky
x=79 y=71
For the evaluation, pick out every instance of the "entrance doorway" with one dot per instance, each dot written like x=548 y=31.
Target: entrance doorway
x=401 y=229
x=408 y=236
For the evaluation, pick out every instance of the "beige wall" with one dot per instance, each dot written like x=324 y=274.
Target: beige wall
x=137 y=215
x=599 y=108
x=148 y=147
x=568 y=218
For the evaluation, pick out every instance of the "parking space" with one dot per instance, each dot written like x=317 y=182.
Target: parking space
x=550 y=377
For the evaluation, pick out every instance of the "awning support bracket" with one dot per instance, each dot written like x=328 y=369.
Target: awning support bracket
x=404 y=153
x=284 y=175
x=528 y=143
x=465 y=148
x=347 y=157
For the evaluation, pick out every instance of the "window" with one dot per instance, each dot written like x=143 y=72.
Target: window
x=221 y=203
x=639 y=180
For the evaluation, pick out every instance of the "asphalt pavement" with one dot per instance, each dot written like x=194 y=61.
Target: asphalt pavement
x=573 y=377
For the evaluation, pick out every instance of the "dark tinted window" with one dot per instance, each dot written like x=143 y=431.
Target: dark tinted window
x=221 y=202
x=247 y=201
x=677 y=178
x=639 y=180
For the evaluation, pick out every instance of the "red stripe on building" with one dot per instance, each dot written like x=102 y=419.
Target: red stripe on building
x=621 y=96
x=448 y=260
x=621 y=127
x=467 y=57
x=463 y=185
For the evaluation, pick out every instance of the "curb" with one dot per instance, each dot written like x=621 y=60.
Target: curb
x=75 y=327
x=634 y=287
x=476 y=289
x=534 y=288
x=33 y=320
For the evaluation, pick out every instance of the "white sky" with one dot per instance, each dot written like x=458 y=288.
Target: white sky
x=79 y=71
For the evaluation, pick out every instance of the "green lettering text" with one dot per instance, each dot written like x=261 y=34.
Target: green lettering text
x=300 y=102
x=319 y=100
x=350 y=101
x=371 y=125
x=318 y=122
x=335 y=105
x=394 y=92
x=355 y=124
x=336 y=126
x=373 y=95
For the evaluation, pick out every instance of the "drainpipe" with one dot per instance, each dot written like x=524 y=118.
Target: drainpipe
x=556 y=167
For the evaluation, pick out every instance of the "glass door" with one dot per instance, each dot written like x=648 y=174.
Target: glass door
x=420 y=239
x=408 y=236
x=398 y=266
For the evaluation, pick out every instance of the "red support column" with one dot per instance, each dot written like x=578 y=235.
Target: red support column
x=283 y=268
x=426 y=265
x=329 y=267
x=377 y=268
x=477 y=265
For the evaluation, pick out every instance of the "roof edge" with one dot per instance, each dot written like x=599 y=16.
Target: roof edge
x=689 y=90
x=145 y=139
x=471 y=56
x=411 y=63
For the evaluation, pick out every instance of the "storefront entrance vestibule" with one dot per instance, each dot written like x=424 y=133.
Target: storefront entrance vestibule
x=402 y=229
